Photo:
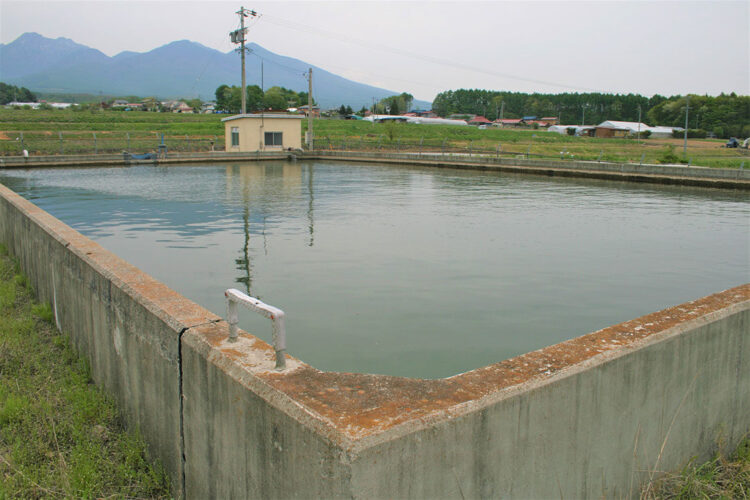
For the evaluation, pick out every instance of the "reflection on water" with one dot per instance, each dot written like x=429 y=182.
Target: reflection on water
x=408 y=271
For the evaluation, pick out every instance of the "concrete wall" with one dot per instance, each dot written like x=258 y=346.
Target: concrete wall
x=591 y=433
x=580 y=419
x=661 y=174
x=124 y=322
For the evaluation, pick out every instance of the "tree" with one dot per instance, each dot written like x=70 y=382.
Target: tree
x=394 y=107
x=342 y=110
x=10 y=93
x=254 y=98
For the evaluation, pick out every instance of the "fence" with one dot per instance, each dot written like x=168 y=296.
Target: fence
x=104 y=142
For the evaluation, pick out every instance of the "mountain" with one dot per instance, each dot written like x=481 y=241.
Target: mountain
x=181 y=69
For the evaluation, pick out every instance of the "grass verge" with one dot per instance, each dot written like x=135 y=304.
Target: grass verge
x=721 y=478
x=60 y=436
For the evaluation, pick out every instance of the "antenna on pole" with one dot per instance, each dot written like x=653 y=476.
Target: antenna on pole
x=238 y=36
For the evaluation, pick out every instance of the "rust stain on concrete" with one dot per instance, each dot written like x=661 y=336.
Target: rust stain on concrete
x=359 y=405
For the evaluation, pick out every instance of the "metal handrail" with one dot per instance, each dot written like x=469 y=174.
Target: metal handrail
x=275 y=314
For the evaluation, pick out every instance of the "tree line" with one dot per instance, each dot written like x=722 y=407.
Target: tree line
x=724 y=115
x=11 y=93
x=276 y=98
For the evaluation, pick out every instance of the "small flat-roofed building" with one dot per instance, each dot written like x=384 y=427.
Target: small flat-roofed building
x=263 y=132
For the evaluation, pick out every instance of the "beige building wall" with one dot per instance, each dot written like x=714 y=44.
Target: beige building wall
x=252 y=132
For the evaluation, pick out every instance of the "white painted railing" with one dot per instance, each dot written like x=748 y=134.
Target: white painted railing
x=276 y=316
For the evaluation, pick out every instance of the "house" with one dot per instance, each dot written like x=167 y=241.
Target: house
x=424 y=113
x=508 y=122
x=304 y=110
x=208 y=108
x=549 y=120
x=263 y=132
x=613 y=128
x=120 y=103
x=479 y=120
x=537 y=123
x=183 y=108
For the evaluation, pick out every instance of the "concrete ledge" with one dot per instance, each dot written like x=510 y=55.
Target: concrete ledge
x=118 y=160
x=660 y=174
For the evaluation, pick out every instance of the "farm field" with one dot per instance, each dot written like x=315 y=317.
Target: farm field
x=75 y=132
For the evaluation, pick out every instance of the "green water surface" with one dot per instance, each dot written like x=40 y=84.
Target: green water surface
x=408 y=271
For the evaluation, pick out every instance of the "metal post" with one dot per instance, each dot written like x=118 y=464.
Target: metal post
x=442 y=148
x=398 y=145
x=61 y=141
x=643 y=157
x=601 y=153
x=687 y=108
x=471 y=143
x=128 y=136
x=497 y=150
x=187 y=139
x=96 y=147
x=421 y=141
x=22 y=144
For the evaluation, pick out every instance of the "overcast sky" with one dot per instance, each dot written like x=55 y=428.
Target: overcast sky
x=668 y=47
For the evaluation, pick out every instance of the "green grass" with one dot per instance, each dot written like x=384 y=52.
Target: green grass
x=349 y=134
x=721 y=478
x=41 y=131
x=59 y=435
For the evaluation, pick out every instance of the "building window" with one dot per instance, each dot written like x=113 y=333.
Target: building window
x=235 y=136
x=273 y=139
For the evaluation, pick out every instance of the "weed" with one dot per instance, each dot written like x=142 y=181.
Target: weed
x=720 y=477
x=59 y=435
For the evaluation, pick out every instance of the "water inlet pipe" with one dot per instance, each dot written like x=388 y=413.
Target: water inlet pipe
x=276 y=316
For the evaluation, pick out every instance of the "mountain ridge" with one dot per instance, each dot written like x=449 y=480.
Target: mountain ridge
x=179 y=69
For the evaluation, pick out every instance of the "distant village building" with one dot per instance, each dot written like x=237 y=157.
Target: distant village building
x=37 y=105
x=479 y=120
x=612 y=128
x=208 y=108
x=263 y=132
x=304 y=110
x=508 y=122
x=119 y=103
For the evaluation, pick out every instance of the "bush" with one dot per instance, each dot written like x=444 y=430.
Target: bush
x=668 y=156
x=646 y=134
x=693 y=133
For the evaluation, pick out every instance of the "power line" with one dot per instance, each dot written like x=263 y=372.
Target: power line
x=435 y=60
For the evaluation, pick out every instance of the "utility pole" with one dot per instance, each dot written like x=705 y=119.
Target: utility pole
x=639 y=124
x=502 y=110
x=238 y=36
x=687 y=108
x=309 y=111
